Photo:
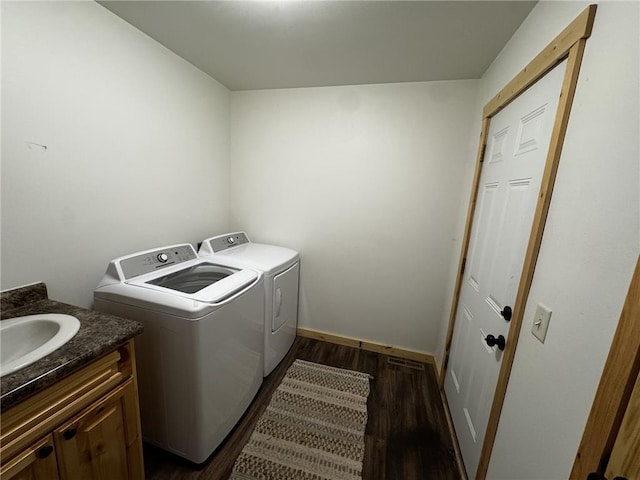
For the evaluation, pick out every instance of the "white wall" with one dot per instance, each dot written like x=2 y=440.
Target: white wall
x=590 y=245
x=364 y=182
x=137 y=146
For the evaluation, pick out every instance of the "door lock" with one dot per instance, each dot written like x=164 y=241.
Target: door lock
x=500 y=341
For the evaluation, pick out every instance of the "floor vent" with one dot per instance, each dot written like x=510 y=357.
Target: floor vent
x=401 y=362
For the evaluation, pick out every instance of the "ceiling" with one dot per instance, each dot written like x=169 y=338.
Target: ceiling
x=250 y=44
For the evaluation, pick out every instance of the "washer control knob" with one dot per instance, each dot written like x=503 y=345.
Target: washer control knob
x=231 y=240
x=163 y=257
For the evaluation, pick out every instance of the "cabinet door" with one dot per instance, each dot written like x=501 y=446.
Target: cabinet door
x=37 y=462
x=93 y=445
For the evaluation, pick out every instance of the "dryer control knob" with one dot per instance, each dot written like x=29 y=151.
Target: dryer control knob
x=163 y=257
x=231 y=240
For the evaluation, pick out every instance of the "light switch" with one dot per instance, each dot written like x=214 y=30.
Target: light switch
x=541 y=322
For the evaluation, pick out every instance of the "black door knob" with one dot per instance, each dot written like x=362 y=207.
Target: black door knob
x=506 y=313
x=500 y=341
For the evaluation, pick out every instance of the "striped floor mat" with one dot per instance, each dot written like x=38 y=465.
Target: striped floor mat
x=313 y=427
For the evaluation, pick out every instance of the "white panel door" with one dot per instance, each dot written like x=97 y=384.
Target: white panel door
x=514 y=159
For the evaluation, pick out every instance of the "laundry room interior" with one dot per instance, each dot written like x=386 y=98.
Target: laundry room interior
x=113 y=144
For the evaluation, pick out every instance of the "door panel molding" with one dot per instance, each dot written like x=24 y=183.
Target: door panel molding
x=569 y=44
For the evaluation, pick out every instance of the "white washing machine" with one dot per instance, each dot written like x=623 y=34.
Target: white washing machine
x=281 y=269
x=200 y=358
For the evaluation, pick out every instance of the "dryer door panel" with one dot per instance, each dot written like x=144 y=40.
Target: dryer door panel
x=285 y=298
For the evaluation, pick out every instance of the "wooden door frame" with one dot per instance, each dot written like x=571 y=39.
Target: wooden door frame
x=569 y=45
x=616 y=384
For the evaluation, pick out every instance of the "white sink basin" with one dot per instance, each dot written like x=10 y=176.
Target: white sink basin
x=24 y=340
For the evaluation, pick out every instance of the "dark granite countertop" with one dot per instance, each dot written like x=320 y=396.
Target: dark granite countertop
x=99 y=334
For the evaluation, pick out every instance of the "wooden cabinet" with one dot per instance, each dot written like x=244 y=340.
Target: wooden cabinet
x=85 y=427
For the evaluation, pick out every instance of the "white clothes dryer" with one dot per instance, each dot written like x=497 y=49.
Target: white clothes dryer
x=281 y=269
x=200 y=358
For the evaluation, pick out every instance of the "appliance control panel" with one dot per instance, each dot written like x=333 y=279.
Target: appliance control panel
x=152 y=260
x=222 y=242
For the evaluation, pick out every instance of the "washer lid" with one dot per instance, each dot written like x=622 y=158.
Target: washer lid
x=201 y=281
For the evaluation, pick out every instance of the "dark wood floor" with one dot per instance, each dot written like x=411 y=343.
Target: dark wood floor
x=407 y=437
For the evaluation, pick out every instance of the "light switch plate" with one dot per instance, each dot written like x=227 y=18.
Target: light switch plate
x=541 y=322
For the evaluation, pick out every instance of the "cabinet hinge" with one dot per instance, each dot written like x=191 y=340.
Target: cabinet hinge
x=484 y=149
x=464 y=264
